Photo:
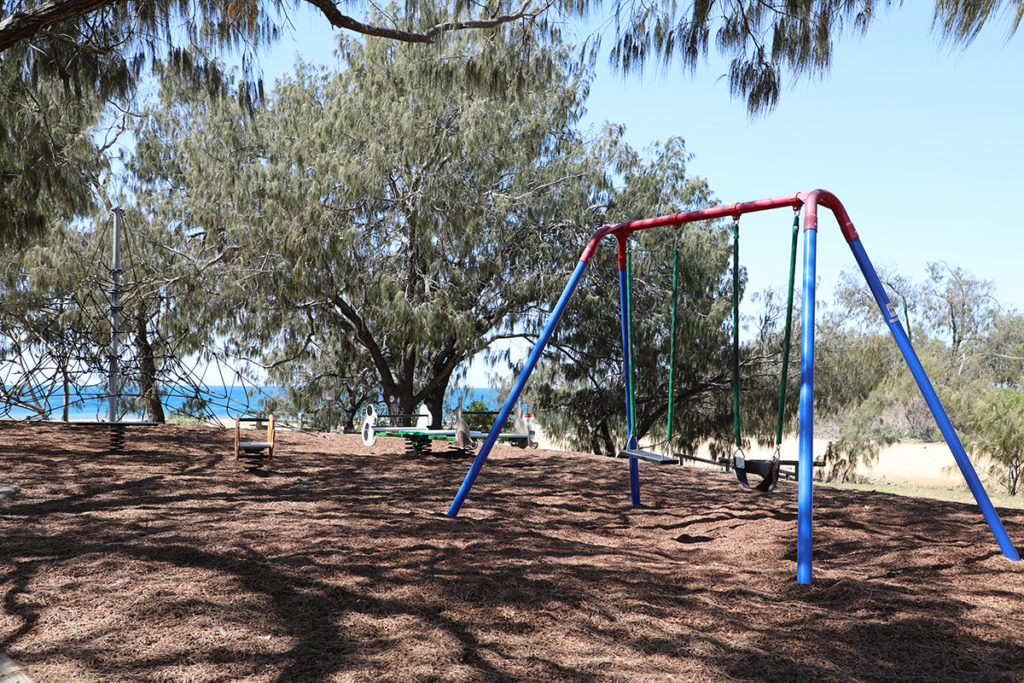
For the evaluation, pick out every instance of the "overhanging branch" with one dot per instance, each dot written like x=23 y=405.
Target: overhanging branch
x=339 y=20
x=22 y=25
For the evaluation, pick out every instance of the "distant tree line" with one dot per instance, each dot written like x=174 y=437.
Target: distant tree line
x=971 y=347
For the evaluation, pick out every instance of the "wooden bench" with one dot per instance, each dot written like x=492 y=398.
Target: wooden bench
x=793 y=475
x=254 y=452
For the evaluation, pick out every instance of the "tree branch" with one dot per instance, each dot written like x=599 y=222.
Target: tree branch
x=339 y=20
x=366 y=339
x=22 y=25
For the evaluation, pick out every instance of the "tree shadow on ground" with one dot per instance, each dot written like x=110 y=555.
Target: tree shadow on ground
x=338 y=564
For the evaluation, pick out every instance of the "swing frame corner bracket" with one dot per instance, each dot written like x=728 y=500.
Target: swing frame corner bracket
x=811 y=200
x=617 y=229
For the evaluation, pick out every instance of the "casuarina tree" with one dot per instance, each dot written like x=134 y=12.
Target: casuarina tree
x=401 y=214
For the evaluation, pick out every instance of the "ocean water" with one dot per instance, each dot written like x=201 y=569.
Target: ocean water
x=90 y=403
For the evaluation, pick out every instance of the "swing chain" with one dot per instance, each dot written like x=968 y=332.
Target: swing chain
x=739 y=460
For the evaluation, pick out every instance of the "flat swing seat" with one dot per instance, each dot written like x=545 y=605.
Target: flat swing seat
x=255 y=445
x=648 y=456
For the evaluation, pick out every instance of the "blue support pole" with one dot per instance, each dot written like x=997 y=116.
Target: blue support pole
x=932 y=399
x=804 y=466
x=517 y=389
x=627 y=373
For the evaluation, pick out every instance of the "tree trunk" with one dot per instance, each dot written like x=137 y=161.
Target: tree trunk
x=606 y=436
x=348 y=420
x=147 y=370
x=1013 y=475
x=595 y=442
x=67 y=392
x=435 y=404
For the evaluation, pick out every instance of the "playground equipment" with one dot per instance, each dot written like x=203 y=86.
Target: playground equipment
x=768 y=470
x=254 y=452
x=809 y=202
x=632 y=450
x=462 y=438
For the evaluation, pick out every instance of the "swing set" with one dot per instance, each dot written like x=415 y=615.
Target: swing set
x=809 y=202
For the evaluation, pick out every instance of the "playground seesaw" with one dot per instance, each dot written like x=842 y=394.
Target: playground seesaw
x=255 y=452
x=462 y=438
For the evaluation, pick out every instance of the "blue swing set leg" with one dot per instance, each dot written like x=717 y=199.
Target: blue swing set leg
x=932 y=399
x=517 y=389
x=804 y=507
x=913 y=363
x=627 y=369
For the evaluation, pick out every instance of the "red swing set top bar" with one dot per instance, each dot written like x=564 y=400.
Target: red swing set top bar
x=810 y=199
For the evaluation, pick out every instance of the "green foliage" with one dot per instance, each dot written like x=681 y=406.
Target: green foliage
x=961 y=20
x=861 y=438
x=767 y=40
x=483 y=423
x=579 y=388
x=101 y=45
x=49 y=165
x=168 y=316
x=326 y=381
x=52 y=328
x=762 y=39
x=391 y=219
x=177 y=418
x=1000 y=356
x=580 y=391
x=997 y=428
x=961 y=307
x=972 y=352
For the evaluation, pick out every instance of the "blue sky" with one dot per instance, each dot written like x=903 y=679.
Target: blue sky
x=922 y=145
x=921 y=142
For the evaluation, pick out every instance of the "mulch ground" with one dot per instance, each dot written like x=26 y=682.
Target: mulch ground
x=169 y=561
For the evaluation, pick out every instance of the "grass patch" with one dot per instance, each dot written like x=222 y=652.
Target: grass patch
x=185 y=420
x=959 y=495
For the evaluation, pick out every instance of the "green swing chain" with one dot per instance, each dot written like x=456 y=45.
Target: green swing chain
x=672 y=347
x=789 y=328
x=736 y=332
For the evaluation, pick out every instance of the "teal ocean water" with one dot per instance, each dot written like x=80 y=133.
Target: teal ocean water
x=90 y=403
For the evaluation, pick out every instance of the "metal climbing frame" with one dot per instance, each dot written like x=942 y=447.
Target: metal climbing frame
x=810 y=201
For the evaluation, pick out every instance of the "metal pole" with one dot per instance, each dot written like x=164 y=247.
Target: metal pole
x=676 y=219
x=672 y=349
x=804 y=465
x=115 y=310
x=627 y=369
x=932 y=399
x=517 y=389
x=627 y=318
